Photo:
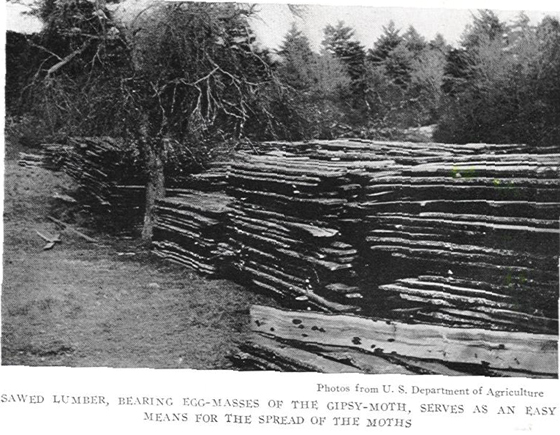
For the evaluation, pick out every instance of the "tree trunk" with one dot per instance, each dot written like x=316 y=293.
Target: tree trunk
x=155 y=187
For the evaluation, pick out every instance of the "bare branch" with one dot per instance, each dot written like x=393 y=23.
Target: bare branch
x=53 y=69
x=40 y=47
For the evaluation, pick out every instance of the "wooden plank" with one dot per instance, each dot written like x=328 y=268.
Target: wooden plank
x=444 y=284
x=382 y=183
x=294 y=289
x=283 y=354
x=365 y=362
x=419 y=366
x=435 y=294
x=450 y=204
x=457 y=220
x=466 y=260
x=466 y=253
x=519 y=374
x=496 y=349
x=247 y=360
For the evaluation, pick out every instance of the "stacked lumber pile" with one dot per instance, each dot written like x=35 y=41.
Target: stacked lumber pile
x=487 y=224
x=382 y=228
x=190 y=229
x=191 y=224
x=109 y=180
x=455 y=245
x=55 y=155
x=212 y=180
x=407 y=153
x=465 y=302
x=284 y=228
x=51 y=157
x=29 y=160
x=339 y=343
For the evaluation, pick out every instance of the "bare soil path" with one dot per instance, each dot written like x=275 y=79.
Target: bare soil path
x=108 y=304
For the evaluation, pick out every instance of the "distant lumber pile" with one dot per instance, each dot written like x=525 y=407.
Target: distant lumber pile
x=50 y=156
x=111 y=178
x=106 y=176
x=107 y=172
x=31 y=160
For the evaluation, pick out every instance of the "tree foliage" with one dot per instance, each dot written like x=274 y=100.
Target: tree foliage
x=179 y=78
x=502 y=84
x=404 y=75
x=339 y=42
x=297 y=57
x=316 y=85
x=82 y=55
x=200 y=74
x=385 y=44
x=192 y=75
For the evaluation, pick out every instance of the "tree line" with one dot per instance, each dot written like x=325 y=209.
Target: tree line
x=195 y=70
x=179 y=78
x=500 y=85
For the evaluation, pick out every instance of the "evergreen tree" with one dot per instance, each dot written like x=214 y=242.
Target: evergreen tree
x=297 y=58
x=503 y=84
x=385 y=44
x=486 y=27
x=316 y=87
x=440 y=44
x=413 y=41
x=427 y=75
x=394 y=53
x=404 y=78
x=541 y=108
x=339 y=42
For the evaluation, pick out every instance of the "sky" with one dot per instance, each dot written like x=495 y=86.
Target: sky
x=368 y=22
x=428 y=17
x=16 y=20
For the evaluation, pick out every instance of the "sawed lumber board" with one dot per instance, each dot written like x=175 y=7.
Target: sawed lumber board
x=493 y=349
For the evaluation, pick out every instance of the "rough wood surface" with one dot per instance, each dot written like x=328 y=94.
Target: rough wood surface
x=294 y=358
x=501 y=350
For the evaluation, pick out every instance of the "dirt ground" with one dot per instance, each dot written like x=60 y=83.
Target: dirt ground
x=108 y=304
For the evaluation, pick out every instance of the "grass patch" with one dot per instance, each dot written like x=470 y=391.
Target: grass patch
x=109 y=304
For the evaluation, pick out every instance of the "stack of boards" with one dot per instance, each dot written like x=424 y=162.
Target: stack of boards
x=464 y=237
x=284 y=229
x=461 y=235
x=31 y=160
x=100 y=166
x=50 y=156
x=191 y=222
x=461 y=242
x=109 y=181
x=189 y=229
x=481 y=233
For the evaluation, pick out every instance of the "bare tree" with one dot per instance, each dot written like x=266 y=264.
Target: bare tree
x=183 y=78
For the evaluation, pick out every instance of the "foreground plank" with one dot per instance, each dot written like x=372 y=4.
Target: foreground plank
x=493 y=349
x=293 y=359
